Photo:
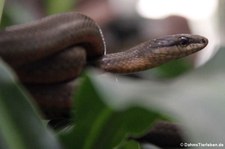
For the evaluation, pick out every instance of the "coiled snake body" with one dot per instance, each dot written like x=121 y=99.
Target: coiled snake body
x=47 y=54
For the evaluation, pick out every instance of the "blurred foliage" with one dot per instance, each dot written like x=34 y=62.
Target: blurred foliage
x=57 y=6
x=15 y=12
x=172 y=69
x=1 y=7
x=129 y=145
x=6 y=20
x=20 y=125
x=99 y=125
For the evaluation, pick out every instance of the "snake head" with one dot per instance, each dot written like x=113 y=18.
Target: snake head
x=152 y=53
x=177 y=46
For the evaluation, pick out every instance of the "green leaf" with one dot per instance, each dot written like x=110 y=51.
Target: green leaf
x=172 y=69
x=101 y=125
x=1 y=8
x=20 y=125
x=57 y=6
x=129 y=145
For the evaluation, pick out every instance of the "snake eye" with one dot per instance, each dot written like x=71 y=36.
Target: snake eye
x=184 y=41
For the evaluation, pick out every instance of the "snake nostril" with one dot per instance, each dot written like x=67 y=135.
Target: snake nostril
x=205 y=41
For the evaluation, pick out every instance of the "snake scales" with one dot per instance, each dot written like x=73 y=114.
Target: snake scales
x=48 y=54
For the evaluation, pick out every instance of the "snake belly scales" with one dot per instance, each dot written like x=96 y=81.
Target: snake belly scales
x=48 y=53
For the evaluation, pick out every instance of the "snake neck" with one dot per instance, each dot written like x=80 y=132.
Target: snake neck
x=128 y=61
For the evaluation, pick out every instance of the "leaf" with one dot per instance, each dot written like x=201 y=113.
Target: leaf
x=1 y=8
x=129 y=145
x=56 y=6
x=20 y=125
x=171 y=69
x=101 y=125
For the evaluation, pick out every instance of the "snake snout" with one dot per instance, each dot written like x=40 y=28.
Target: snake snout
x=204 y=41
x=198 y=44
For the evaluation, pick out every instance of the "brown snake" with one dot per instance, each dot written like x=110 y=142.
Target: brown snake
x=47 y=54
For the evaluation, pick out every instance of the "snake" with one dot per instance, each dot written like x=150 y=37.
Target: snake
x=49 y=54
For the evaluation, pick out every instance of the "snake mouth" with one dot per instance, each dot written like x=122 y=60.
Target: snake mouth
x=176 y=52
